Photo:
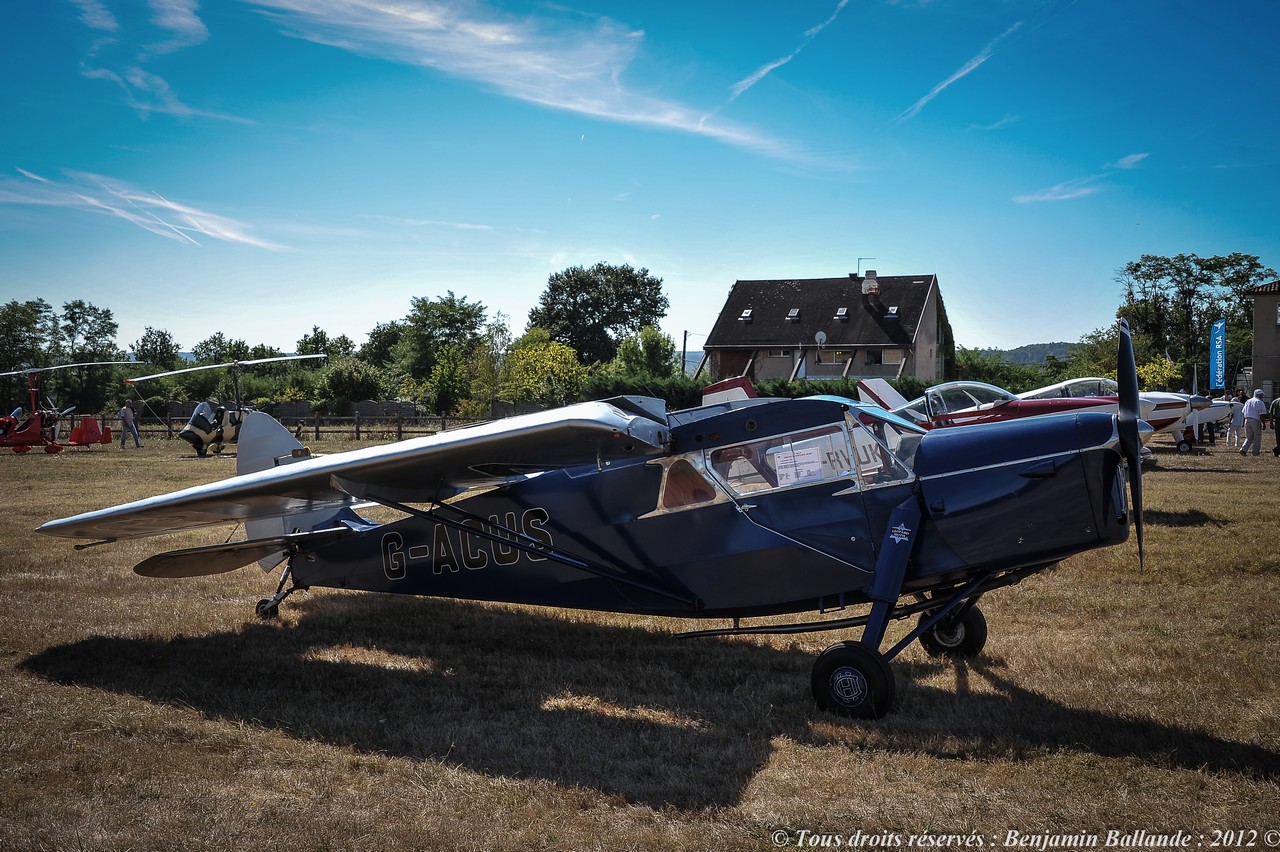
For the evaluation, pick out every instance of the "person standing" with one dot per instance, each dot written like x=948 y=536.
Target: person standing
x=1235 y=426
x=1253 y=411
x=127 y=424
x=1275 y=424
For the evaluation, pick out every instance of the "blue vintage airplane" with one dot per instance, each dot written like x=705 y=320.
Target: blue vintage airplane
x=737 y=510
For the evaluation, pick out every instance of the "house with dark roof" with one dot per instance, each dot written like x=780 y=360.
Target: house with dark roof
x=857 y=326
x=1266 y=337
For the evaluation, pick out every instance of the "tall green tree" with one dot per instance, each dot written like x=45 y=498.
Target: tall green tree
x=158 y=348
x=378 y=348
x=592 y=310
x=88 y=333
x=433 y=324
x=217 y=349
x=27 y=333
x=648 y=353
x=1171 y=302
x=539 y=369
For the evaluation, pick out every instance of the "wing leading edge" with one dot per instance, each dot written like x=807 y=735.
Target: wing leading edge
x=418 y=469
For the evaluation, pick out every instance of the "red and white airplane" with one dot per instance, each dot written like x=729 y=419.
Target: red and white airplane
x=1165 y=412
x=966 y=403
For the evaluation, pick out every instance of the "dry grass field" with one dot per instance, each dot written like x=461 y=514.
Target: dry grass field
x=140 y=713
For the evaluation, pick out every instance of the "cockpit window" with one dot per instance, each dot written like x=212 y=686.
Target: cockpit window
x=783 y=461
x=883 y=451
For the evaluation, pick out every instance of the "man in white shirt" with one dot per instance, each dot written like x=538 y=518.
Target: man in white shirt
x=1253 y=411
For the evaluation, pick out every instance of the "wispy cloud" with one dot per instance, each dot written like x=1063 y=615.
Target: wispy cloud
x=95 y=15
x=562 y=62
x=1064 y=191
x=178 y=18
x=120 y=57
x=1129 y=162
x=1080 y=187
x=763 y=71
x=965 y=70
x=91 y=193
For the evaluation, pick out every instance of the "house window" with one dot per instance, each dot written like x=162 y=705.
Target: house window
x=892 y=356
x=793 y=315
x=873 y=357
x=832 y=356
x=1277 y=313
x=779 y=353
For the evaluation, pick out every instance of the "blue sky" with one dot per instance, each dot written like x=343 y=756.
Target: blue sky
x=258 y=167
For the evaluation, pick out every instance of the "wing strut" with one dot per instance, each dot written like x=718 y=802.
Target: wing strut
x=506 y=536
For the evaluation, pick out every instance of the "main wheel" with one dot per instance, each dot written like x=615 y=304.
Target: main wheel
x=964 y=638
x=850 y=679
x=266 y=610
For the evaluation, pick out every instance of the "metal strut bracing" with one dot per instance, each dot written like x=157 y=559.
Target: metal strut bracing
x=473 y=524
x=940 y=606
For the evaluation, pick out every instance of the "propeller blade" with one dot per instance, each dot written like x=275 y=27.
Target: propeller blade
x=1128 y=418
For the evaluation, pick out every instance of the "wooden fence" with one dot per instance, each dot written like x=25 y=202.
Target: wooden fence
x=316 y=427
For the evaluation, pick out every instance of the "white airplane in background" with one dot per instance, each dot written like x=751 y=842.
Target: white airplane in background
x=1166 y=412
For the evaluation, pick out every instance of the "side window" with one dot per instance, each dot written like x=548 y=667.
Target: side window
x=684 y=486
x=784 y=461
x=883 y=451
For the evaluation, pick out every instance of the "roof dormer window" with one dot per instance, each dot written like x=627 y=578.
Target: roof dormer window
x=793 y=315
x=745 y=316
x=842 y=314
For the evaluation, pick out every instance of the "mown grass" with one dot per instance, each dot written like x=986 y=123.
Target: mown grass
x=152 y=714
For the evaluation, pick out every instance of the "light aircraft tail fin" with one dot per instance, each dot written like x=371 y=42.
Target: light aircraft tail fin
x=728 y=390
x=880 y=392
x=264 y=443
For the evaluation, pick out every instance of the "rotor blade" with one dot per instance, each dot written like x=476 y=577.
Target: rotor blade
x=1127 y=424
x=30 y=370
x=216 y=366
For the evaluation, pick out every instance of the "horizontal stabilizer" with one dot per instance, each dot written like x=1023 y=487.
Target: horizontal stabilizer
x=221 y=558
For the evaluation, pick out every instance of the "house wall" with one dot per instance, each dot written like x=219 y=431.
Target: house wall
x=1266 y=343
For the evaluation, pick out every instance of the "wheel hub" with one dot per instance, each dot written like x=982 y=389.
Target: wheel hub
x=848 y=686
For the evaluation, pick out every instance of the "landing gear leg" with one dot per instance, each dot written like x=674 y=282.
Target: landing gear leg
x=268 y=609
x=854 y=678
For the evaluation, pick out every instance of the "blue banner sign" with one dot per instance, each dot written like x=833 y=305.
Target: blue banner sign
x=1218 y=355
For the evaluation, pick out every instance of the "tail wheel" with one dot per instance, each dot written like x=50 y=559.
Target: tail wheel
x=964 y=638
x=851 y=679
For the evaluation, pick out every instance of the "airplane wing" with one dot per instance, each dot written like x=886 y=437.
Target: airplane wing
x=416 y=470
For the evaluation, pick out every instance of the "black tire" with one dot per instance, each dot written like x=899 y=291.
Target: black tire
x=266 y=610
x=965 y=638
x=1184 y=446
x=850 y=679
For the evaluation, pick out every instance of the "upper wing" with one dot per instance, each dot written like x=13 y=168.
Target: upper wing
x=418 y=469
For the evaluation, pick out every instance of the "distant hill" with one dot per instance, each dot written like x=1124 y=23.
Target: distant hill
x=1032 y=353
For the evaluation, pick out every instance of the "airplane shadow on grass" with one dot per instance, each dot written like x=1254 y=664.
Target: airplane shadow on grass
x=524 y=693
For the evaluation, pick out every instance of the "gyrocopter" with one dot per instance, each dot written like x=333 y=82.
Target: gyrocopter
x=210 y=427
x=39 y=428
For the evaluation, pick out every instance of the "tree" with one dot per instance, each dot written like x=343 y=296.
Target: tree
x=216 y=349
x=542 y=370
x=157 y=346
x=378 y=347
x=318 y=342
x=1171 y=302
x=591 y=310
x=88 y=333
x=976 y=366
x=648 y=353
x=27 y=333
x=432 y=324
x=350 y=379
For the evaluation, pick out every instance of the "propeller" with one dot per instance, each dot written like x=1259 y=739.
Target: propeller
x=1128 y=418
